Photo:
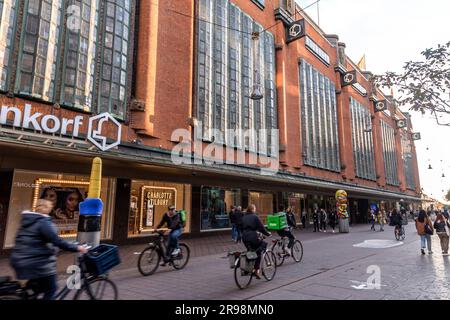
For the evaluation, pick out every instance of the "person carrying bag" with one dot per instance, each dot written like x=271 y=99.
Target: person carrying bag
x=425 y=230
x=442 y=229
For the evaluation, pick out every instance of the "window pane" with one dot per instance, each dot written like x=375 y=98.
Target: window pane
x=43 y=19
x=82 y=55
x=115 y=57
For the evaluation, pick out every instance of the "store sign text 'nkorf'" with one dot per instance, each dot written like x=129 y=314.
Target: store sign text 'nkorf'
x=55 y=125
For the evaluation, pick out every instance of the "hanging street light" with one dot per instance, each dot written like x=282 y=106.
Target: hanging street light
x=256 y=89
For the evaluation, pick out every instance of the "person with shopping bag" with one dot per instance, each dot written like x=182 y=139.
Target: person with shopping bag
x=442 y=229
x=425 y=230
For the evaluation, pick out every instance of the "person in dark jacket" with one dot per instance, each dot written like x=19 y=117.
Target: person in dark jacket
x=251 y=225
x=172 y=220
x=304 y=219
x=290 y=218
x=316 y=220
x=232 y=217
x=440 y=225
x=333 y=219
x=238 y=217
x=323 y=220
x=34 y=255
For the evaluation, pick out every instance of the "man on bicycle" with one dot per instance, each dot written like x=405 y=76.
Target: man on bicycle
x=173 y=221
x=396 y=220
x=286 y=233
x=251 y=225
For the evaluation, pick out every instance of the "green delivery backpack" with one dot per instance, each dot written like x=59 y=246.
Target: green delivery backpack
x=183 y=216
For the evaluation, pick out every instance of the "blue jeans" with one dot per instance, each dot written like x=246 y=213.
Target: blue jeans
x=234 y=232
x=173 y=240
x=426 y=238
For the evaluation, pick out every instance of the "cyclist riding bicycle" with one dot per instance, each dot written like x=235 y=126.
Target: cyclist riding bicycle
x=34 y=255
x=174 y=222
x=396 y=221
x=251 y=225
x=287 y=231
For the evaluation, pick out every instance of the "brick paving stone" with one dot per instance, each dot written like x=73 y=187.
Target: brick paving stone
x=330 y=264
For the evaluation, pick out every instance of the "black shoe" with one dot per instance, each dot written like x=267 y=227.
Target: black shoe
x=423 y=251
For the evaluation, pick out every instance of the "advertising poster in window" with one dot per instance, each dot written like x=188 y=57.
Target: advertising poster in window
x=155 y=201
x=66 y=210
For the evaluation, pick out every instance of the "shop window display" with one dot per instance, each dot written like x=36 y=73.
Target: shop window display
x=66 y=192
x=215 y=206
x=149 y=201
x=263 y=203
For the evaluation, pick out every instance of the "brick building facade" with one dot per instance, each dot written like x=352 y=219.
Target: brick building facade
x=160 y=66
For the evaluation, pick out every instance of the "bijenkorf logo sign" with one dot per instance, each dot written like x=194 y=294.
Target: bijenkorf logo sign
x=52 y=124
x=95 y=131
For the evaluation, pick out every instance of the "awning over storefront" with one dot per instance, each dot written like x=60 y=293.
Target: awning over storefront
x=143 y=158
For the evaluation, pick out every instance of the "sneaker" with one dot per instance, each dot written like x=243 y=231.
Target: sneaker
x=430 y=252
x=176 y=252
x=423 y=251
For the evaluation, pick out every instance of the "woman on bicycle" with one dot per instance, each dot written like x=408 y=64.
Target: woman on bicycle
x=34 y=255
x=251 y=224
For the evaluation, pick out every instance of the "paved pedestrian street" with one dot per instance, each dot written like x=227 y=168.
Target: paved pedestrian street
x=332 y=268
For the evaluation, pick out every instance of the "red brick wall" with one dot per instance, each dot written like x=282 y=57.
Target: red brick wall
x=165 y=82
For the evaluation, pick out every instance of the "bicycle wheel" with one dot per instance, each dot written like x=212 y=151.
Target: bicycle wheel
x=277 y=249
x=98 y=289
x=297 y=251
x=181 y=260
x=148 y=261
x=269 y=265
x=241 y=277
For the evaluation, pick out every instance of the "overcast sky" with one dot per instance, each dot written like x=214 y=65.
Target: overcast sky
x=389 y=33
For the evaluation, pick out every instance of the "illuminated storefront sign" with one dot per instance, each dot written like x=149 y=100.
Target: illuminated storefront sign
x=155 y=201
x=51 y=124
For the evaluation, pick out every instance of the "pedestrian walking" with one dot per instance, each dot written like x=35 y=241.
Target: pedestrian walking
x=372 y=220
x=304 y=219
x=323 y=220
x=238 y=215
x=316 y=220
x=441 y=225
x=382 y=219
x=425 y=230
x=290 y=216
x=333 y=219
x=232 y=218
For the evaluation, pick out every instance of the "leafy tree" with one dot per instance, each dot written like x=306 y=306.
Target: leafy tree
x=424 y=85
x=447 y=197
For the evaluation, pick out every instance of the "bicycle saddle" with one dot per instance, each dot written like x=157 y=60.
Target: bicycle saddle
x=4 y=280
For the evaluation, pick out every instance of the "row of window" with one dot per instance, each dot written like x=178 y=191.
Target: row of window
x=318 y=51
x=230 y=64
x=74 y=32
x=319 y=119
x=389 y=154
x=408 y=164
x=362 y=138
